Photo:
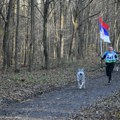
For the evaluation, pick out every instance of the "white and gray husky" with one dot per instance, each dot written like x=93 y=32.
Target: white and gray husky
x=81 y=78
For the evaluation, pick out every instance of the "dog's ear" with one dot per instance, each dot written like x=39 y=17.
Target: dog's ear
x=82 y=69
x=78 y=70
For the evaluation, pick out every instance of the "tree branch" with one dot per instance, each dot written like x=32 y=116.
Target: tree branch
x=2 y=15
x=39 y=10
x=84 y=8
x=87 y=19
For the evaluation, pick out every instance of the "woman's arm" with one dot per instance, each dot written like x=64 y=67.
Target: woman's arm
x=104 y=56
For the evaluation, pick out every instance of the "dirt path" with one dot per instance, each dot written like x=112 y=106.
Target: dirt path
x=61 y=103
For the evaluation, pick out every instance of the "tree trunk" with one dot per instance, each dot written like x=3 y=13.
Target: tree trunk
x=6 y=37
x=55 y=39
x=26 y=50
x=72 y=51
x=31 y=54
x=45 y=41
x=61 y=46
x=17 y=38
x=59 y=41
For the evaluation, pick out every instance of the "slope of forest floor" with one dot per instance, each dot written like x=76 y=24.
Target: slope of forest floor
x=106 y=109
x=25 y=86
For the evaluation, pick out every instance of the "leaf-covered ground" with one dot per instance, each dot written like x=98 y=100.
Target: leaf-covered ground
x=25 y=85
x=107 y=109
x=69 y=102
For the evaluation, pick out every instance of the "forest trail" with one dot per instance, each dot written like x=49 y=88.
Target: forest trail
x=61 y=103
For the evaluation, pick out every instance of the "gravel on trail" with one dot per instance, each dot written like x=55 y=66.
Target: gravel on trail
x=61 y=103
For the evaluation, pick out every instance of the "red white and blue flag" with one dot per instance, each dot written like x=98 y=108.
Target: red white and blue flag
x=104 y=35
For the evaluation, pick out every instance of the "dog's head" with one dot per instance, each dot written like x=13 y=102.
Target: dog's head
x=81 y=71
x=80 y=75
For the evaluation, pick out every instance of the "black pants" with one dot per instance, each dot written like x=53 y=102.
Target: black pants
x=109 y=70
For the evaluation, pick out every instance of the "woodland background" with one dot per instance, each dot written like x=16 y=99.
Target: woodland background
x=52 y=32
x=46 y=41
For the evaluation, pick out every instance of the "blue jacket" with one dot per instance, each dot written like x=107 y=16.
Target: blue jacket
x=110 y=57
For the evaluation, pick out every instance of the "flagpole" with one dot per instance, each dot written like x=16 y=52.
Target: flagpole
x=101 y=51
x=101 y=47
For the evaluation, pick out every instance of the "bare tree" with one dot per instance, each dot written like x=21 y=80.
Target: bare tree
x=45 y=41
x=17 y=37
x=31 y=54
x=6 y=36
